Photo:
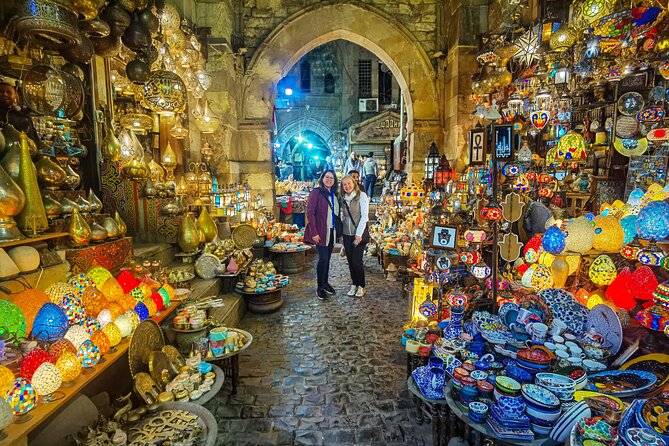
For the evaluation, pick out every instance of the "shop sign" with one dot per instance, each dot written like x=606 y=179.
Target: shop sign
x=377 y=130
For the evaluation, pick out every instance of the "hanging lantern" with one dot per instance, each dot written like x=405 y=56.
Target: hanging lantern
x=563 y=39
x=165 y=93
x=562 y=74
x=481 y=270
x=470 y=257
x=443 y=173
x=136 y=122
x=540 y=119
x=515 y=105
x=208 y=121
x=587 y=12
x=431 y=162
x=492 y=212
x=475 y=235
x=543 y=99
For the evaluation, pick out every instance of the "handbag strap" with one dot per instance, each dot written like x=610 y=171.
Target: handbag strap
x=349 y=214
x=327 y=198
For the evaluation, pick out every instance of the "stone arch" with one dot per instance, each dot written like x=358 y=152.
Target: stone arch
x=368 y=27
x=297 y=125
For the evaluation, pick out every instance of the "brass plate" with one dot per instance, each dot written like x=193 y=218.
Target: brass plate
x=174 y=356
x=162 y=370
x=243 y=236
x=148 y=337
x=146 y=387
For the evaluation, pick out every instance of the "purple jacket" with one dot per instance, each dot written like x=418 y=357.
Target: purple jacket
x=317 y=216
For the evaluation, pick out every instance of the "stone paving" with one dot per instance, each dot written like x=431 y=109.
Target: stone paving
x=324 y=373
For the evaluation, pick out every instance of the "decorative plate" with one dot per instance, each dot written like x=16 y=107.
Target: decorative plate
x=507 y=383
x=532 y=301
x=508 y=313
x=630 y=103
x=622 y=383
x=246 y=335
x=161 y=368
x=534 y=356
x=604 y=321
x=174 y=419
x=655 y=413
x=562 y=303
x=206 y=265
x=643 y=437
x=656 y=363
x=243 y=236
x=147 y=338
x=627 y=126
x=538 y=394
x=598 y=402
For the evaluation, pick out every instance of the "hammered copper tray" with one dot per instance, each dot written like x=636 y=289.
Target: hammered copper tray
x=147 y=338
x=243 y=236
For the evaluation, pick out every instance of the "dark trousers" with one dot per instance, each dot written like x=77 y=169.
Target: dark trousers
x=370 y=181
x=354 y=257
x=323 y=266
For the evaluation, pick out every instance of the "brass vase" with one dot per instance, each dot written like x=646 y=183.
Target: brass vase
x=189 y=236
x=78 y=230
x=11 y=156
x=83 y=204
x=207 y=225
x=122 y=228
x=96 y=204
x=73 y=179
x=12 y=200
x=98 y=232
x=111 y=147
x=32 y=219
x=111 y=227
x=49 y=173
x=52 y=206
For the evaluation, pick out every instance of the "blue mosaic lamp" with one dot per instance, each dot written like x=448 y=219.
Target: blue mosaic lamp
x=629 y=228
x=51 y=323
x=553 y=240
x=652 y=223
x=142 y=311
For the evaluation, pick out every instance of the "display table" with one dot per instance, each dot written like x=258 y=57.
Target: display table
x=450 y=420
x=261 y=303
x=289 y=262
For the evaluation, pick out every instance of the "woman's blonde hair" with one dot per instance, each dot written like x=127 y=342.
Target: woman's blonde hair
x=356 y=186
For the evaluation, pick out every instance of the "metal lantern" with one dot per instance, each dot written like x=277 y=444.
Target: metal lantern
x=562 y=75
x=443 y=172
x=431 y=162
x=515 y=104
x=165 y=93
x=543 y=99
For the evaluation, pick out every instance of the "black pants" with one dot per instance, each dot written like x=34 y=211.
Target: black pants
x=324 y=254
x=354 y=257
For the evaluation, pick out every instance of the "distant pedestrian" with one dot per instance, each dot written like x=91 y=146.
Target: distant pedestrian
x=323 y=220
x=352 y=163
x=354 y=218
x=370 y=172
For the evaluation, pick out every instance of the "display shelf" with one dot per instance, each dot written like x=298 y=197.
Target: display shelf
x=29 y=240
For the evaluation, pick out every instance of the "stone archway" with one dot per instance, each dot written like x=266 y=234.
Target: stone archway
x=299 y=125
x=360 y=24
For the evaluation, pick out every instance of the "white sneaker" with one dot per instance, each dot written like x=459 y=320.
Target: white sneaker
x=360 y=292
x=351 y=292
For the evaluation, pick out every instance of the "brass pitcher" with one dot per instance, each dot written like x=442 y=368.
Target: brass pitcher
x=111 y=147
x=12 y=200
x=207 y=225
x=73 y=180
x=189 y=236
x=32 y=218
x=78 y=230
x=122 y=227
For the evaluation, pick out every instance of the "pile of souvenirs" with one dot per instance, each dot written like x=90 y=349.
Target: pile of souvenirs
x=262 y=277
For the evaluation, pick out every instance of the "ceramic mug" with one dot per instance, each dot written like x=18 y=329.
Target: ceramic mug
x=562 y=358
x=593 y=366
x=569 y=337
x=526 y=316
x=558 y=327
x=550 y=346
x=537 y=331
x=575 y=360
x=577 y=351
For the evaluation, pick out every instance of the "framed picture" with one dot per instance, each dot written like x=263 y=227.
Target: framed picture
x=477 y=146
x=503 y=142
x=444 y=237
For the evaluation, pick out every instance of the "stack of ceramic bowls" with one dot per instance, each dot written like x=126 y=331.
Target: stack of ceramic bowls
x=478 y=411
x=562 y=386
x=506 y=387
x=465 y=385
x=568 y=420
x=509 y=413
x=542 y=408
x=533 y=360
x=518 y=374
x=578 y=374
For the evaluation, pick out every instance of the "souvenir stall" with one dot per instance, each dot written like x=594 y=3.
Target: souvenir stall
x=291 y=200
x=541 y=311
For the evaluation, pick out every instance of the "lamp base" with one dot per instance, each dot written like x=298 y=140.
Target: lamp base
x=68 y=384
x=20 y=419
x=55 y=396
x=87 y=370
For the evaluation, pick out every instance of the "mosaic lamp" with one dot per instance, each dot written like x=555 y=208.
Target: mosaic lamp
x=92 y=325
x=526 y=278
x=115 y=309
x=651 y=255
x=94 y=301
x=77 y=335
x=46 y=381
x=571 y=148
x=579 y=235
x=73 y=308
x=166 y=295
x=629 y=228
x=22 y=398
x=169 y=289
x=112 y=290
x=137 y=293
x=58 y=290
x=643 y=283
x=542 y=277
x=553 y=240
x=89 y=355
x=165 y=92
x=151 y=307
x=652 y=223
x=32 y=361
x=101 y=341
x=50 y=323
x=80 y=282
x=157 y=301
x=127 y=281
x=104 y=318
x=113 y=334
x=99 y=276
x=481 y=270
x=618 y=291
x=69 y=366
x=6 y=379
x=124 y=324
x=12 y=321
x=609 y=234
x=573 y=262
x=134 y=319
x=30 y=301
x=60 y=346
x=602 y=270
x=631 y=250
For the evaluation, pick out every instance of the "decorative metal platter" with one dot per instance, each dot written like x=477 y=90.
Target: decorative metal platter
x=244 y=236
x=176 y=420
x=206 y=265
x=147 y=338
x=175 y=357
x=218 y=384
x=162 y=369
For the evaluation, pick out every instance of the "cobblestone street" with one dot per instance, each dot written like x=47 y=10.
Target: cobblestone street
x=331 y=373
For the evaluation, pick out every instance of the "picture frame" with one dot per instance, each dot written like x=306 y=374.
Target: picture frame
x=444 y=237
x=477 y=146
x=504 y=143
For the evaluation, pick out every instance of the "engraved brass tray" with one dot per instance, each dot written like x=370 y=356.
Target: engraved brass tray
x=243 y=236
x=147 y=338
x=172 y=420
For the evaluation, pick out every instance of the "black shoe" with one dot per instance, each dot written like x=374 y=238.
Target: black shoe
x=328 y=289
x=321 y=294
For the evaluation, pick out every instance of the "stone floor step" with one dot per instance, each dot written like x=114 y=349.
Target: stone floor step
x=232 y=312
x=163 y=252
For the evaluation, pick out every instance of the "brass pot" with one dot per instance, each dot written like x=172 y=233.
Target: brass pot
x=83 y=204
x=137 y=71
x=149 y=19
x=98 y=233
x=49 y=173
x=122 y=227
x=107 y=46
x=189 y=235
x=117 y=18
x=94 y=28
x=207 y=225
x=52 y=207
x=81 y=52
x=96 y=204
x=137 y=36
x=73 y=179
x=111 y=227
x=88 y=8
x=150 y=189
x=12 y=153
x=68 y=206
x=12 y=200
x=78 y=229
x=171 y=208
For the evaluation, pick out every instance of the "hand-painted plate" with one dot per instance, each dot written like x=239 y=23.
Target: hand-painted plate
x=656 y=363
x=622 y=383
x=605 y=321
x=655 y=413
x=598 y=402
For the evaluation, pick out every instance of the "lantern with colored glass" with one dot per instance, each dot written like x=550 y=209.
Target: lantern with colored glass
x=112 y=290
x=69 y=366
x=80 y=282
x=60 y=346
x=470 y=257
x=457 y=298
x=571 y=148
x=89 y=355
x=22 y=398
x=101 y=341
x=30 y=302
x=134 y=319
x=73 y=308
x=46 y=381
x=32 y=361
x=113 y=334
x=481 y=270
x=124 y=324
x=652 y=256
x=542 y=277
x=12 y=321
x=77 y=335
x=602 y=270
x=492 y=212
x=443 y=173
x=475 y=235
x=553 y=240
x=157 y=299
x=7 y=379
x=652 y=223
x=631 y=251
x=58 y=290
x=515 y=105
x=127 y=281
x=150 y=306
x=50 y=323
x=562 y=74
x=431 y=162
x=92 y=325
x=99 y=276
x=94 y=301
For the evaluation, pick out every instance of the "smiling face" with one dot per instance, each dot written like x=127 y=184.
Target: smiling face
x=328 y=180
x=347 y=185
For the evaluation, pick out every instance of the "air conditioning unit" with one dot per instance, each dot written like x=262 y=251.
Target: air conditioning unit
x=368 y=105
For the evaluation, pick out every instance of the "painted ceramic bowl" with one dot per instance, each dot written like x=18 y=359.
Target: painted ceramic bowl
x=555 y=381
x=479 y=375
x=460 y=373
x=655 y=413
x=513 y=407
x=518 y=374
x=598 y=430
x=636 y=436
x=478 y=408
x=507 y=384
x=534 y=356
x=485 y=387
x=538 y=396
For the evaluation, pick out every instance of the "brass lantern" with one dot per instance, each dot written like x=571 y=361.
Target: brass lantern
x=431 y=162
x=443 y=172
x=165 y=93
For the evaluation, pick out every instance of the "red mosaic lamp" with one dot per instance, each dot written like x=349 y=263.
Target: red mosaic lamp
x=127 y=281
x=643 y=283
x=32 y=361
x=157 y=299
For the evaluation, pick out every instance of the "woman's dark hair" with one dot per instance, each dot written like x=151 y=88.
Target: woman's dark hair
x=325 y=172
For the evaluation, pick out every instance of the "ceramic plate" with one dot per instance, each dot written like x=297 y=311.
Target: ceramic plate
x=643 y=437
x=605 y=321
x=508 y=383
x=508 y=313
x=599 y=402
x=534 y=355
x=622 y=383
x=656 y=363
x=533 y=301
x=655 y=413
x=630 y=103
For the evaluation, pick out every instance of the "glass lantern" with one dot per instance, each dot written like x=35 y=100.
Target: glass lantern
x=431 y=162
x=515 y=104
x=543 y=99
x=443 y=172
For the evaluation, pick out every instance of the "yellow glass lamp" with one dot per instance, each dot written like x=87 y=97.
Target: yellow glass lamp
x=587 y=12
x=563 y=39
x=421 y=291
x=571 y=148
x=580 y=235
x=6 y=379
x=112 y=290
x=574 y=262
x=602 y=270
x=58 y=291
x=542 y=277
x=113 y=334
x=609 y=234
x=99 y=276
x=69 y=366
x=124 y=324
x=101 y=341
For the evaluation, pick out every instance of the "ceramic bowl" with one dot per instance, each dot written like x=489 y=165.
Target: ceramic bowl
x=554 y=381
x=598 y=430
x=518 y=374
x=540 y=430
x=507 y=384
x=540 y=397
x=563 y=426
x=513 y=407
x=478 y=408
x=479 y=375
x=485 y=387
x=548 y=416
x=468 y=366
x=460 y=373
x=468 y=381
x=636 y=436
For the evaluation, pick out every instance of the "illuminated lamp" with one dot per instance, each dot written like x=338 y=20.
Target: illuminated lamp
x=73 y=309
x=32 y=361
x=481 y=270
x=661 y=294
x=137 y=294
x=50 y=323
x=99 y=276
x=166 y=296
x=553 y=240
x=157 y=299
x=619 y=290
x=531 y=256
x=502 y=283
x=151 y=306
x=643 y=283
x=542 y=277
x=46 y=381
x=652 y=256
x=563 y=39
x=288 y=91
x=77 y=335
x=475 y=235
x=652 y=222
x=431 y=162
x=582 y=296
x=562 y=74
x=60 y=346
x=80 y=282
x=457 y=298
x=546 y=258
x=526 y=279
x=522 y=268
x=105 y=317
x=115 y=309
x=58 y=290
x=127 y=281
x=112 y=290
x=6 y=416
x=515 y=104
x=124 y=324
x=127 y=302
x=89 y=355
x=69 y=366
x=594 y=300
x=6 y=380
x=492 y=212
x=470 y=257
x=609 y=234
x=92 y=325
x=443 y=174
x=602 y=270
x=208 y=121
x=30 y=301
x=169 y=290
x=178 y=131
x=571 y=148
x=134 y=319
x=94 y=301
x=629 y=228
x=631 y=251
x=101 y=341
x=147 y=290
x=113 y=334
x=579 y=235
x=22 y=398
x=165 y=92
x=533 y=243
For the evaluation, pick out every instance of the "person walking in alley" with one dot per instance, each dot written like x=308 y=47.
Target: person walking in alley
x=370 y=172
x=356 y=235
x=323 y=225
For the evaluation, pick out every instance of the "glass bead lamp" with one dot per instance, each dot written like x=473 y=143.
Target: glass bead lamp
x=99 y=276
x=94 y=301
x=142 y=311
x=166 y=296
x=22 y=398
x=571 y=148
x=137 y=294
x=92 y=325
x=553 y=240
x=115 y=309
x=157 y=299
x=80 y=282
x=32 y=361
x=89 y=355
x=602 y=270
x=69 y=367
x=629 y=228
x=12 y=321
x=6 y=379
x=127 y=281
x=77 y=335
x=6 y=416
x=50 y=323
x=112 y=290
x=151 y=306
x=542 y=277
x=134 y=319
x=208 y=121
x=563 y=39
x=30 y=302
x=631 y=250
x=58 y=290
x=105 y=317
x=101 y=341
x=609 y=234
x=60 y=346
x=481 y=270
x=643 y=283
x=579 y=235
x=73 y=308
x=124 y=324
x=46 y=381
x=652 y=223
x=651 y=256
x=113 y=334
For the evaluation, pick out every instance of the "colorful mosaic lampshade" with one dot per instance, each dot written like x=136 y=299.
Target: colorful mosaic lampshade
x=80 y=282
x=602 y=270
x=542 y=277
x=32 y=361
x=60 y=346
x=629 y=228
x=99 y=276
x=92 y=325
x=113 y=334
x=94 y=301
x=142 y=311
x=12 y=320
x=88 y=354
x=6 y=379
x=652 y=223
x=73 y=308
x=101 y=341
x=22 y=397
x=553 y=240
x=643 y=283
x=609 y=234
x=151 y=306
x=134 y=319
x=167 y=297
x=30 y=301
x=587 y=12
x=146 y=290
x=124 y=324
x=571 y=148
x=115 y=309
x=157 y=301
x=137 y=294
x=112 y=290
x=618 y=291
x=480 y=270
x=77 y=335
x=127 y=281
x=168 y=289
x=579 y=235
x=47 y=380
x=69 y=366
x=58 y=290
x=652 y=256
x=104 y=318
x=50 y=323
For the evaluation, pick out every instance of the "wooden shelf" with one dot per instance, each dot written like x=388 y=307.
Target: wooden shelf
x=29 y=240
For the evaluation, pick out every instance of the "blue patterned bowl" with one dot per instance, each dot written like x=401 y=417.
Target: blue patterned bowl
x=540 y=397
x=518 y=374
x=513 y=407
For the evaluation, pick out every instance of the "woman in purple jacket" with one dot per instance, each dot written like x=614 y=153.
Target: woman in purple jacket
x=322 y=211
